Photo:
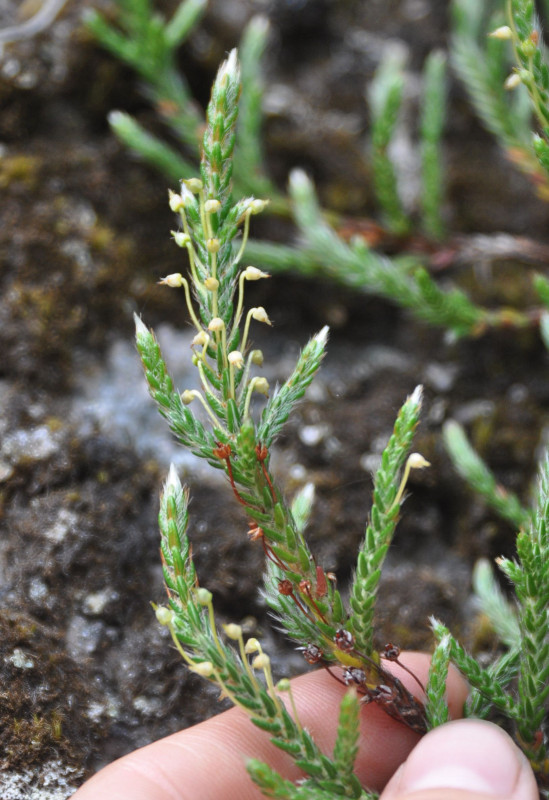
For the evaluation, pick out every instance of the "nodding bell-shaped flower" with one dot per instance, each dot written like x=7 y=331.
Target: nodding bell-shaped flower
x=504 y=32
x=212 y=206
x=204 y=669
x=187 y=397
x=236 y=359
x=261 y=386
x=194 y=185
x=164 y=615
x=260 y=315
x=175 y=280
x=204 y=596
x=512 y=81
x=416 y=461
x=251 y=205
x=200 y=339
x=257 y=206
x=233 y=630
x=256 y=357
x=186 y=195
x=181 y=239
x=176 y=202
x=254 y=274
x=262 y=661
x=216 y=324
x=252 y=646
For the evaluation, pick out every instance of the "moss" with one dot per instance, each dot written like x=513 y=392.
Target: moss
x=39 y=718
x=20 y=169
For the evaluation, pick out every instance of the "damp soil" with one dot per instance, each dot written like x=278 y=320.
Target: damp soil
x=86 y=675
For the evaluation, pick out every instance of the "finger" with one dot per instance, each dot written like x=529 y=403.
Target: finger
x=464 y=760
x=208 y=760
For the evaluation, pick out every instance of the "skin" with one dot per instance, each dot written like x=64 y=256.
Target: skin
x=208 y=760
x=464 y=760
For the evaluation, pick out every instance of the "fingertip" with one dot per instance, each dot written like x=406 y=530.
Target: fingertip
x=464 y=760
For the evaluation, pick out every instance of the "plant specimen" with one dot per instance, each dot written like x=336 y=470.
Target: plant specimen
x=302 y=595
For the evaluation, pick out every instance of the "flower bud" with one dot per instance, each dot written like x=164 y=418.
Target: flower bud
x=194 y=185
x=216 y=324
x=504 y=32
x=529 y=48
x=256 y=357
x=204 y=669
x=175 y=280
x=213 y=245
x=212 y=206
x=512 y=81
x=257 y=206
x=416 y=461
x=251 y=646
x=254 y=274
x=233 y=631
x=176 y=202
x=262 y=661
x=164 y=615
x=203 y=596
x=211 y=284
x=200 y=339
x=283 y=685
x=236 y=359
x=187 y=397
x=261 y=386
x=260 y=315
x=229 y=69
x=181 y=239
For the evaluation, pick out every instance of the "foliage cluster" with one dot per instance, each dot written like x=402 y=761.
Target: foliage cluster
x=507 y=79
x=302 y=595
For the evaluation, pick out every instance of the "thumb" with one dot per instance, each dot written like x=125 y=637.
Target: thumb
x=464 y=760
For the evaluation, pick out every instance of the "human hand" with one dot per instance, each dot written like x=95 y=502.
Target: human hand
x=464 y=760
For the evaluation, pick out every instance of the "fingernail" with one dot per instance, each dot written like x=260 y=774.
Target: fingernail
x=467 y=754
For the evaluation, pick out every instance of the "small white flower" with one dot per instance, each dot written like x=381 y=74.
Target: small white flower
x=204 y=596
x=236 y=359
x=233 y=631
x=261 y=661
x=181 y=239
x=254 y=274
x=512 y=81
x=252 y=646
x=164 y=615
x=193 y=184
x=200 y=339
x=175 y=280
x=416 y=461
x=216 y=324
x=260 y=315
x=504 y=32
x=204 y=669
x=187 y=396
x=261 y=386
x=176 y=202
x=212 y=206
